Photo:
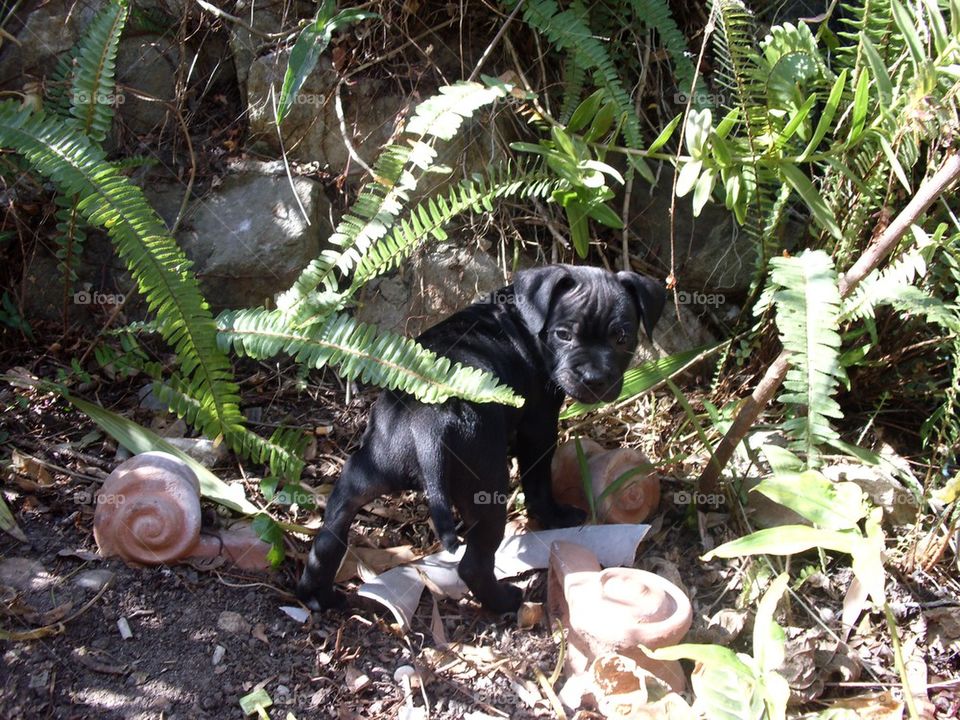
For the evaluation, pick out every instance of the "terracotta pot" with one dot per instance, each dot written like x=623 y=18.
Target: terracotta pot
x=148 y=513
x=615 y=610
x=637 y=498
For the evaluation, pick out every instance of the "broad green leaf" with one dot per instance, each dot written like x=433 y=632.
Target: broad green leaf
x=642 y=167
x=775 y=691
x=811 y=196
x=937 y=25
x=715 y=655
x=949 y=492
x=836 y=506
x=781 y=460
x=703 y=189
x=643 y=377
x=908 y=27
x=885 y=88
x=688 y=177
x=601 y=123
x=313 y=40
x=768 y=637
x=138 y=439
x=861 y=103
x=867 y=457
x=8 y=523
x=604 y=214
x=895 y=164
x=786 y=540
x=564 y=142
x=726 y=125
x=585 y=112
x=665 y=134
x=795 y=121
x=721 y=151
x=826 y=118
x=256 y=702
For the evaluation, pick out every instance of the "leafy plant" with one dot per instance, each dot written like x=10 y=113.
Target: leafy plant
x=585 y=193
x=734 y=686
x=313 y=40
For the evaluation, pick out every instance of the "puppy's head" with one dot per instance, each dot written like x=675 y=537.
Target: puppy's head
x=587 y=320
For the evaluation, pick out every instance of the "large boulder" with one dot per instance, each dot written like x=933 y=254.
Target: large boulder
x=247 y=237
x=437 y=282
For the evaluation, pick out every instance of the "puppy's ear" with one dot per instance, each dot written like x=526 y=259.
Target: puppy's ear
x=648 y=295
x=536 y=290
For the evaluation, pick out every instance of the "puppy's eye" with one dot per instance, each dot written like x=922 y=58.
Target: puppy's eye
x=620 y=336
x=563 y=335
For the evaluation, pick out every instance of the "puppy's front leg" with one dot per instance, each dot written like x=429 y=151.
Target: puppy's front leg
x=534 y=449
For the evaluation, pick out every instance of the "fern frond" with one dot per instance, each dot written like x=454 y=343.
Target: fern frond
x=70 y=237
x=359 y=350
x=567 y=31
x=282 y=453
x=157 y=264
x=93 y=82
x=656 y=14
x=396 y=174
x=429 y=217
x=807 y=300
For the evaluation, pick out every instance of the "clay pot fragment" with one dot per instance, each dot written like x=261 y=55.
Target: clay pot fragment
x=148 y=513
x=616 y=610
x=636 y=499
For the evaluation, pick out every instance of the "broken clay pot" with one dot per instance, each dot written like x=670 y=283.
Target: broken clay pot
x=148 y=512
x=636 y=499
x=616 y=610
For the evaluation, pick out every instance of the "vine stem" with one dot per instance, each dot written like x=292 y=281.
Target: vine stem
x=868 y=261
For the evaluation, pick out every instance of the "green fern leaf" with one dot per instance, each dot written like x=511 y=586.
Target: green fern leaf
x=807 y=300
x=93 y=77
x=157 y=264
x=429 y=217
x=380 y=202
x=358 y=350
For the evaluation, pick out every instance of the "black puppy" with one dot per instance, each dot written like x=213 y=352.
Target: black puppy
x=558 y=330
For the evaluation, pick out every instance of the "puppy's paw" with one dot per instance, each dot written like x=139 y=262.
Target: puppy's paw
x=562 y=516
x=317 y=599
x=450 y=542
x=506 y=599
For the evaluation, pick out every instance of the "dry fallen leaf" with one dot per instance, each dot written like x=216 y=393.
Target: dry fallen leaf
x=355 y=680
x=363 y=561
x=874 y=706
x=31 y=469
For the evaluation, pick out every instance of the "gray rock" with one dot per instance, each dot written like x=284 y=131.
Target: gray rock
x=93 y=580
x=147 y=65
x=269 y=18
x=711 y=252
x=50 y=29
x=438 y=282
x=248 y=238
x=25 y=574
x=311 y=132
x=202 y=450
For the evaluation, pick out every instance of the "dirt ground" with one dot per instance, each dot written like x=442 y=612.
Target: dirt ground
x=202 y=637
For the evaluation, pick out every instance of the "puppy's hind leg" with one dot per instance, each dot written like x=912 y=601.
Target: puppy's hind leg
x=432 y=457
x=359 y=483
x=486 y=517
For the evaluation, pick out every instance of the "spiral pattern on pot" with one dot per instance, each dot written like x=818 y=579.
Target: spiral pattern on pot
x=148 y=510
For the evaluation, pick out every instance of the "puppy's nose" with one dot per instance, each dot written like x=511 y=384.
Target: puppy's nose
x=595 y=380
